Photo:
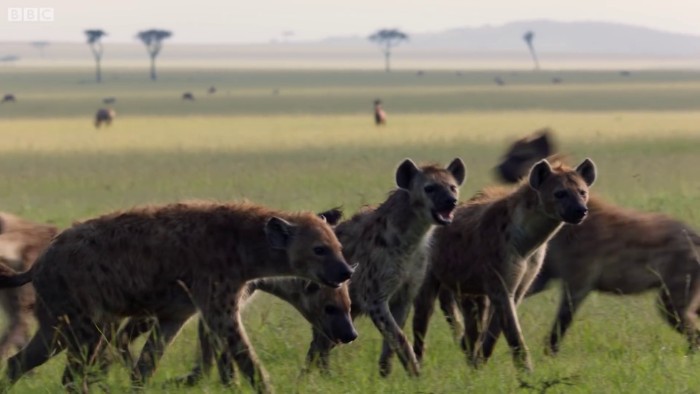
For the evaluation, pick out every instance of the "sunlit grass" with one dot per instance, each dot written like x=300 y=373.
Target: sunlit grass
x=56 y=167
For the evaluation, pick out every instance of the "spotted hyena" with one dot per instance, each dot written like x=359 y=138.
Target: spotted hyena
x=620 y=251
x=488 y=257
x=21 y=242
x=389 y=243
x=326 y=308
x=145 y=261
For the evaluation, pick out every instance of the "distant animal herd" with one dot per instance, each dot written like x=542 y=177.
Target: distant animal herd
x=105 y=281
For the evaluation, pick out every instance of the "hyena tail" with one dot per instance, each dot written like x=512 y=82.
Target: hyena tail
x=11 y=278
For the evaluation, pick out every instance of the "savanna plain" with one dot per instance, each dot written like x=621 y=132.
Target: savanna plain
x=305 y=140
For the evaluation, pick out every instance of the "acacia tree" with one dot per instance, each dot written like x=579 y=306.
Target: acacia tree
x=94 y=40
x=40 y=45
x=387 y=39
x=153 y=40
x=529 y=37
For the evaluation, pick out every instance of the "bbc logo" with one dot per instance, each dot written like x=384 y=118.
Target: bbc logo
x=30 y=14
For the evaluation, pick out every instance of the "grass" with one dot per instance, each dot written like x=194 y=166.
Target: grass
x=314 y=147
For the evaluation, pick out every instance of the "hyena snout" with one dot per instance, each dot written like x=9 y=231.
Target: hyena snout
x=575 y=214
x=342 y=329
x=336 y=272
x=444 y=205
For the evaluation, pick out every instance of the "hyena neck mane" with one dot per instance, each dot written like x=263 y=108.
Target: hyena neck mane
x=404 y=218
x=530 y=227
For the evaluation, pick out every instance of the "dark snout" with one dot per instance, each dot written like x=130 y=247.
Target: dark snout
x=337 y=273
x=576 y=215
x=342 y=329
x=444 y=206
x=349 y=336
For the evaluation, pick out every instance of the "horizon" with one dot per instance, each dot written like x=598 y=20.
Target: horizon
x=216 y=22
x=347 y=36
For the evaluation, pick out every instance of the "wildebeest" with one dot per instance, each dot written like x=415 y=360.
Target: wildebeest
x=9 y=98
x=211 y=90
x=188 y=96
x=109 y=100
x=104 y=115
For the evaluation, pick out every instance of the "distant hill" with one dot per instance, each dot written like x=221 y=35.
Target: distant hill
x=553 y=37
x=561 y=45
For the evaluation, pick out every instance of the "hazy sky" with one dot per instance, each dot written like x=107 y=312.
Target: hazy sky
x=265 y=20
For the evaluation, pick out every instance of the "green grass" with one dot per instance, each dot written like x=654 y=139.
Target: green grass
x=314 y=147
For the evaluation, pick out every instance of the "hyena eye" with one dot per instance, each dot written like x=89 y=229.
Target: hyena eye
x=312 y=288
x=560 y=194
x=582 y=193
x=453 y=188
x=320 y=250
x=331 y=310
x=430 y=188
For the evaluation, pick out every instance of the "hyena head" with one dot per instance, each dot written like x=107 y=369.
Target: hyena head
x=523 y=154
x=433 y=190
x=328 y=310
x=312 y=249
x=562 y=191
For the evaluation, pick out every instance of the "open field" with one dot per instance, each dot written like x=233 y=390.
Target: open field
x=313 y=146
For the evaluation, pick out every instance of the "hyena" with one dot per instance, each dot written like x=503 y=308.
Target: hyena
x=104 y=115
x=169 y=262
x=389 y=244
x=326 y=308
x=620 y=251
x=21 y=242
x=488 y=257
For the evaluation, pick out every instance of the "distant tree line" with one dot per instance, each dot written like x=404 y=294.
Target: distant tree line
x=152 y=39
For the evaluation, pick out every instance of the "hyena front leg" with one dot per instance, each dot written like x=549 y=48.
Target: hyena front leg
x=205 y=360
x=449 y=308
x=319 y=352
x=504 y=309
x=475 y=313
x=383 y=319
x=161 y=336
x=399 y=310
x=222 y=315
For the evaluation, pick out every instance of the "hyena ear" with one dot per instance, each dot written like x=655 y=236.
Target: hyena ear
x=539 y=173
x=458 y=170
x=588 y=171
x=278 y=232
x=405 y=173
x=332 y=216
